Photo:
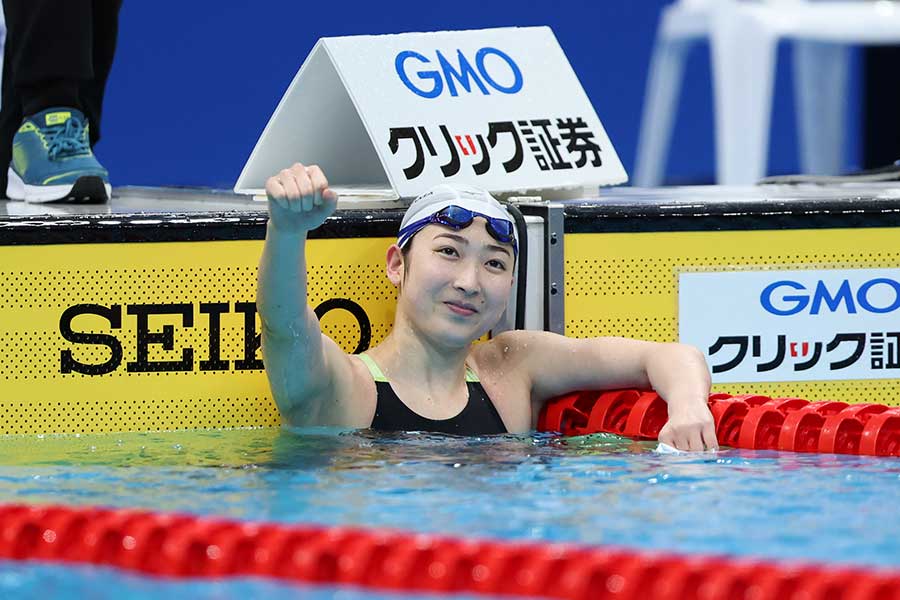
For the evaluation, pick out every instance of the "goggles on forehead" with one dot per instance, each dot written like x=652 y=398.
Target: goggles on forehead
x=457 y=217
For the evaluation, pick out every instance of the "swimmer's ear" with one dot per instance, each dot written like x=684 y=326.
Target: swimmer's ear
x=395 y=266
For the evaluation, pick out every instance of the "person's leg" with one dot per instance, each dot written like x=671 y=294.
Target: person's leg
x=10 y=117
x=51 y=51
x=49 y=54
x=106 y=29
x=881 y=106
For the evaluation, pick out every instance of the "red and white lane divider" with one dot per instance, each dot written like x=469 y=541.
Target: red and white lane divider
x=748 y=421
x=172 y=545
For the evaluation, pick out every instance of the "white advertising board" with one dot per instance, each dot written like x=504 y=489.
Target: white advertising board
x=497 y=108
x=759 y=326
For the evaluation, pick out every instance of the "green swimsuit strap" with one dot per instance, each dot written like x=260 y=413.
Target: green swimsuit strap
x=374 y=369
x=378 y=375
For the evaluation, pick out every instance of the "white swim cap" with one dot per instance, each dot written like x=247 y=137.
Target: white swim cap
x=443 y=195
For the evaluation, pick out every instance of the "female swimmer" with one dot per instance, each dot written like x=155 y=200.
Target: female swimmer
x=453 y=265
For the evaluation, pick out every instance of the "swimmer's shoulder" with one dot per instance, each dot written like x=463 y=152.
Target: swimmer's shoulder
x=512 y=349
x=519 y=354
x=503 y=349
x=502 y=367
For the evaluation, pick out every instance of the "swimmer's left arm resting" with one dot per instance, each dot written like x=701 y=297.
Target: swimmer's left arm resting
x=677 y=372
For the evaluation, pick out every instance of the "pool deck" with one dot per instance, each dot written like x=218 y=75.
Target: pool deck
x=166 y=214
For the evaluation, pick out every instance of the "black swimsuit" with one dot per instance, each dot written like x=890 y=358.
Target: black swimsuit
x=479 y=417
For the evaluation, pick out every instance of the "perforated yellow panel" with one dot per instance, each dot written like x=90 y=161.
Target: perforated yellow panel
x=54 y=298
x=68 y=307
x=624 y=284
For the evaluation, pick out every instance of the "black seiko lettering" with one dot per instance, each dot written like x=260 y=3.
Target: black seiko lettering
x=215 y=311
x=251 y=339
x=166 y=338
x=362 y=319
x=113 y=314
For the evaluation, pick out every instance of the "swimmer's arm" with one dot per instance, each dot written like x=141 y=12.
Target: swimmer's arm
x=305 y=368
x=557 y=365
x=293 y=350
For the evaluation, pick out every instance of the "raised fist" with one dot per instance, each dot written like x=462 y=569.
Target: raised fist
x=299 y=199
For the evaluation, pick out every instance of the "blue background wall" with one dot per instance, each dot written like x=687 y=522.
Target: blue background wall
x=194 y=83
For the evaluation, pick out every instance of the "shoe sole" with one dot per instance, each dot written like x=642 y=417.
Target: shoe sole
x=89 y=189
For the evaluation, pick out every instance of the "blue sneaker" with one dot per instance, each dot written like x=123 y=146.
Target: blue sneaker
x=52 y=160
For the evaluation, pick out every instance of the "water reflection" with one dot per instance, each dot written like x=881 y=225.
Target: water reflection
x=593 y=489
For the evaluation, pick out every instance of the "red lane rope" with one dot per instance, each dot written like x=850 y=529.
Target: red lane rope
x=748 y=421
x=174 y=545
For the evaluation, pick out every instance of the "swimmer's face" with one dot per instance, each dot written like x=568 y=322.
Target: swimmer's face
x=460 y=284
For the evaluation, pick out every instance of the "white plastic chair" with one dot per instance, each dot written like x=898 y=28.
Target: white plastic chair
x=681 y=25
x=744 y=37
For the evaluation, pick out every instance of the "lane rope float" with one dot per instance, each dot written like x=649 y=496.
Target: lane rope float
x=747 y=421
x=178 y=546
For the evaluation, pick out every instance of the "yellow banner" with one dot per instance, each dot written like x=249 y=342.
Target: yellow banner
x=162 y=336
x=625 y=284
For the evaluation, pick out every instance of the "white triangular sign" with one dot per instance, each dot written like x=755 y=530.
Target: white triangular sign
x=497 y=108
x=316 y=122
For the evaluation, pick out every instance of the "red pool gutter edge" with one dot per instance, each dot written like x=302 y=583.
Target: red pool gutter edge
x=177 y=545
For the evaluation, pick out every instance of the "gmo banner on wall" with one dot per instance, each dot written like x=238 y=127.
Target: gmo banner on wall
x=793 y=325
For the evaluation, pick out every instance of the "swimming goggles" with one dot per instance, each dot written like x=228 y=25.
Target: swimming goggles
x=457 y=217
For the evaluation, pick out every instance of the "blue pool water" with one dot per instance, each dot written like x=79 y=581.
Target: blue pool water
x=32 y=580
x=593 y=490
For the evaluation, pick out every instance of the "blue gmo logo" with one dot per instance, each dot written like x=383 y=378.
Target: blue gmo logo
x=500 y=73
x=784 y=298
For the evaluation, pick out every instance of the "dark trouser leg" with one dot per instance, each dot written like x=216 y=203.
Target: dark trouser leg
x=106 y=30
x=54 y=53
x=10 y=119
x=49 y=51
x=881 y=106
